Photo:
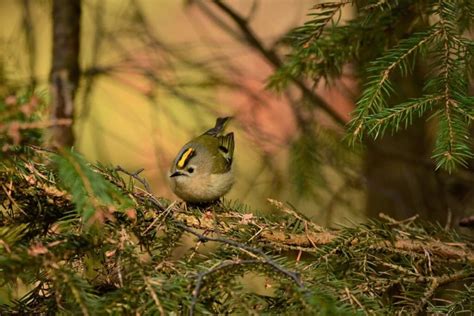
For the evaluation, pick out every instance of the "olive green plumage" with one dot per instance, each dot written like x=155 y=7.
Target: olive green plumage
x=202 y=170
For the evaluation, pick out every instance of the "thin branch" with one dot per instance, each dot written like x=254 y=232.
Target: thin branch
x=149 y=197
x=265 y=259
x=135 y=175
x=435 y=283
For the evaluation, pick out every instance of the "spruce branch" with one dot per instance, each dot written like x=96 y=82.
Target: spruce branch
x=144 y=196
x=81 y=291
x=452 y=146
x=92 y=195
x=152 y=292
x=435 y=283
x=457 y=303
x=125 y=264
x=379 y=87
x=401 y=115
x=321 y=15
x=200 y=277
x=264 y=258
x=437 y=31
x=307 y=240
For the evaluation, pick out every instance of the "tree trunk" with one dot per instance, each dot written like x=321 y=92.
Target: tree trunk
x=399 y=182
x=65 y=70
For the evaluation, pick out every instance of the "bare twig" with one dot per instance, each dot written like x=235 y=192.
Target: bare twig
x=265 y=259
x=279 y=205
x=353 y=299
x=393 y=221
x=135 y=175
x=163 y=215
x=147 y=194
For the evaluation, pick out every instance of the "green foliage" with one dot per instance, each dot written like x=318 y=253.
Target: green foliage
x=379 y=87
x=388 y=40
x=305 y=165
x=458 y=306
x=320 y=165
x=128 y=264
x=91 y=192
x=309 y=60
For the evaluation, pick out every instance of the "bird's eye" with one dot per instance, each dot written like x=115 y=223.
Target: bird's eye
x=190 y=169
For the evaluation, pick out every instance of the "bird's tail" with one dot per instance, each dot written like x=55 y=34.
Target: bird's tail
x=221 y=122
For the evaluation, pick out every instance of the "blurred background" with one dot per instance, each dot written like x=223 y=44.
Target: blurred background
x=155 y=73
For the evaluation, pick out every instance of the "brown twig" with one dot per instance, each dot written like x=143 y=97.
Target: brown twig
x=146 y=196
x=135 y=175
x=265 y=259
x=307 y=240
x=435 y=283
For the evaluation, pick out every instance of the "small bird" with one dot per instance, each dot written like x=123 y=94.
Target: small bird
x=202 y=170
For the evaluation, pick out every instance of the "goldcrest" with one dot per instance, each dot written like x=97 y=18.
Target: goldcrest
x=202 y=170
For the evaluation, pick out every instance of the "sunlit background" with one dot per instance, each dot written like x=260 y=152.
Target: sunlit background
x=156 y=73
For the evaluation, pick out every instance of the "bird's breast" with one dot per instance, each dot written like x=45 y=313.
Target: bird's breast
x=202 y=188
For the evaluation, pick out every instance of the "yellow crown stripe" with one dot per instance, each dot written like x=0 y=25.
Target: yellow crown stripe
x=184 y=157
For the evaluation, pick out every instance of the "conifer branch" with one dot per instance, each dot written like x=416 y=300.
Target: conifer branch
x=153 y=294
x=265 y=259
x=379 y=87
x=129 y=255
x=435 y=283
x=135 y=175
x=200 y=277
x=76 y=293
x=400 y=115
x=436 y=31
x=452 y=147
x=307 y=240
x=312 y=29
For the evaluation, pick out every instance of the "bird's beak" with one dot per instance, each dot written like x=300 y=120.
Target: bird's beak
x=176 y=173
